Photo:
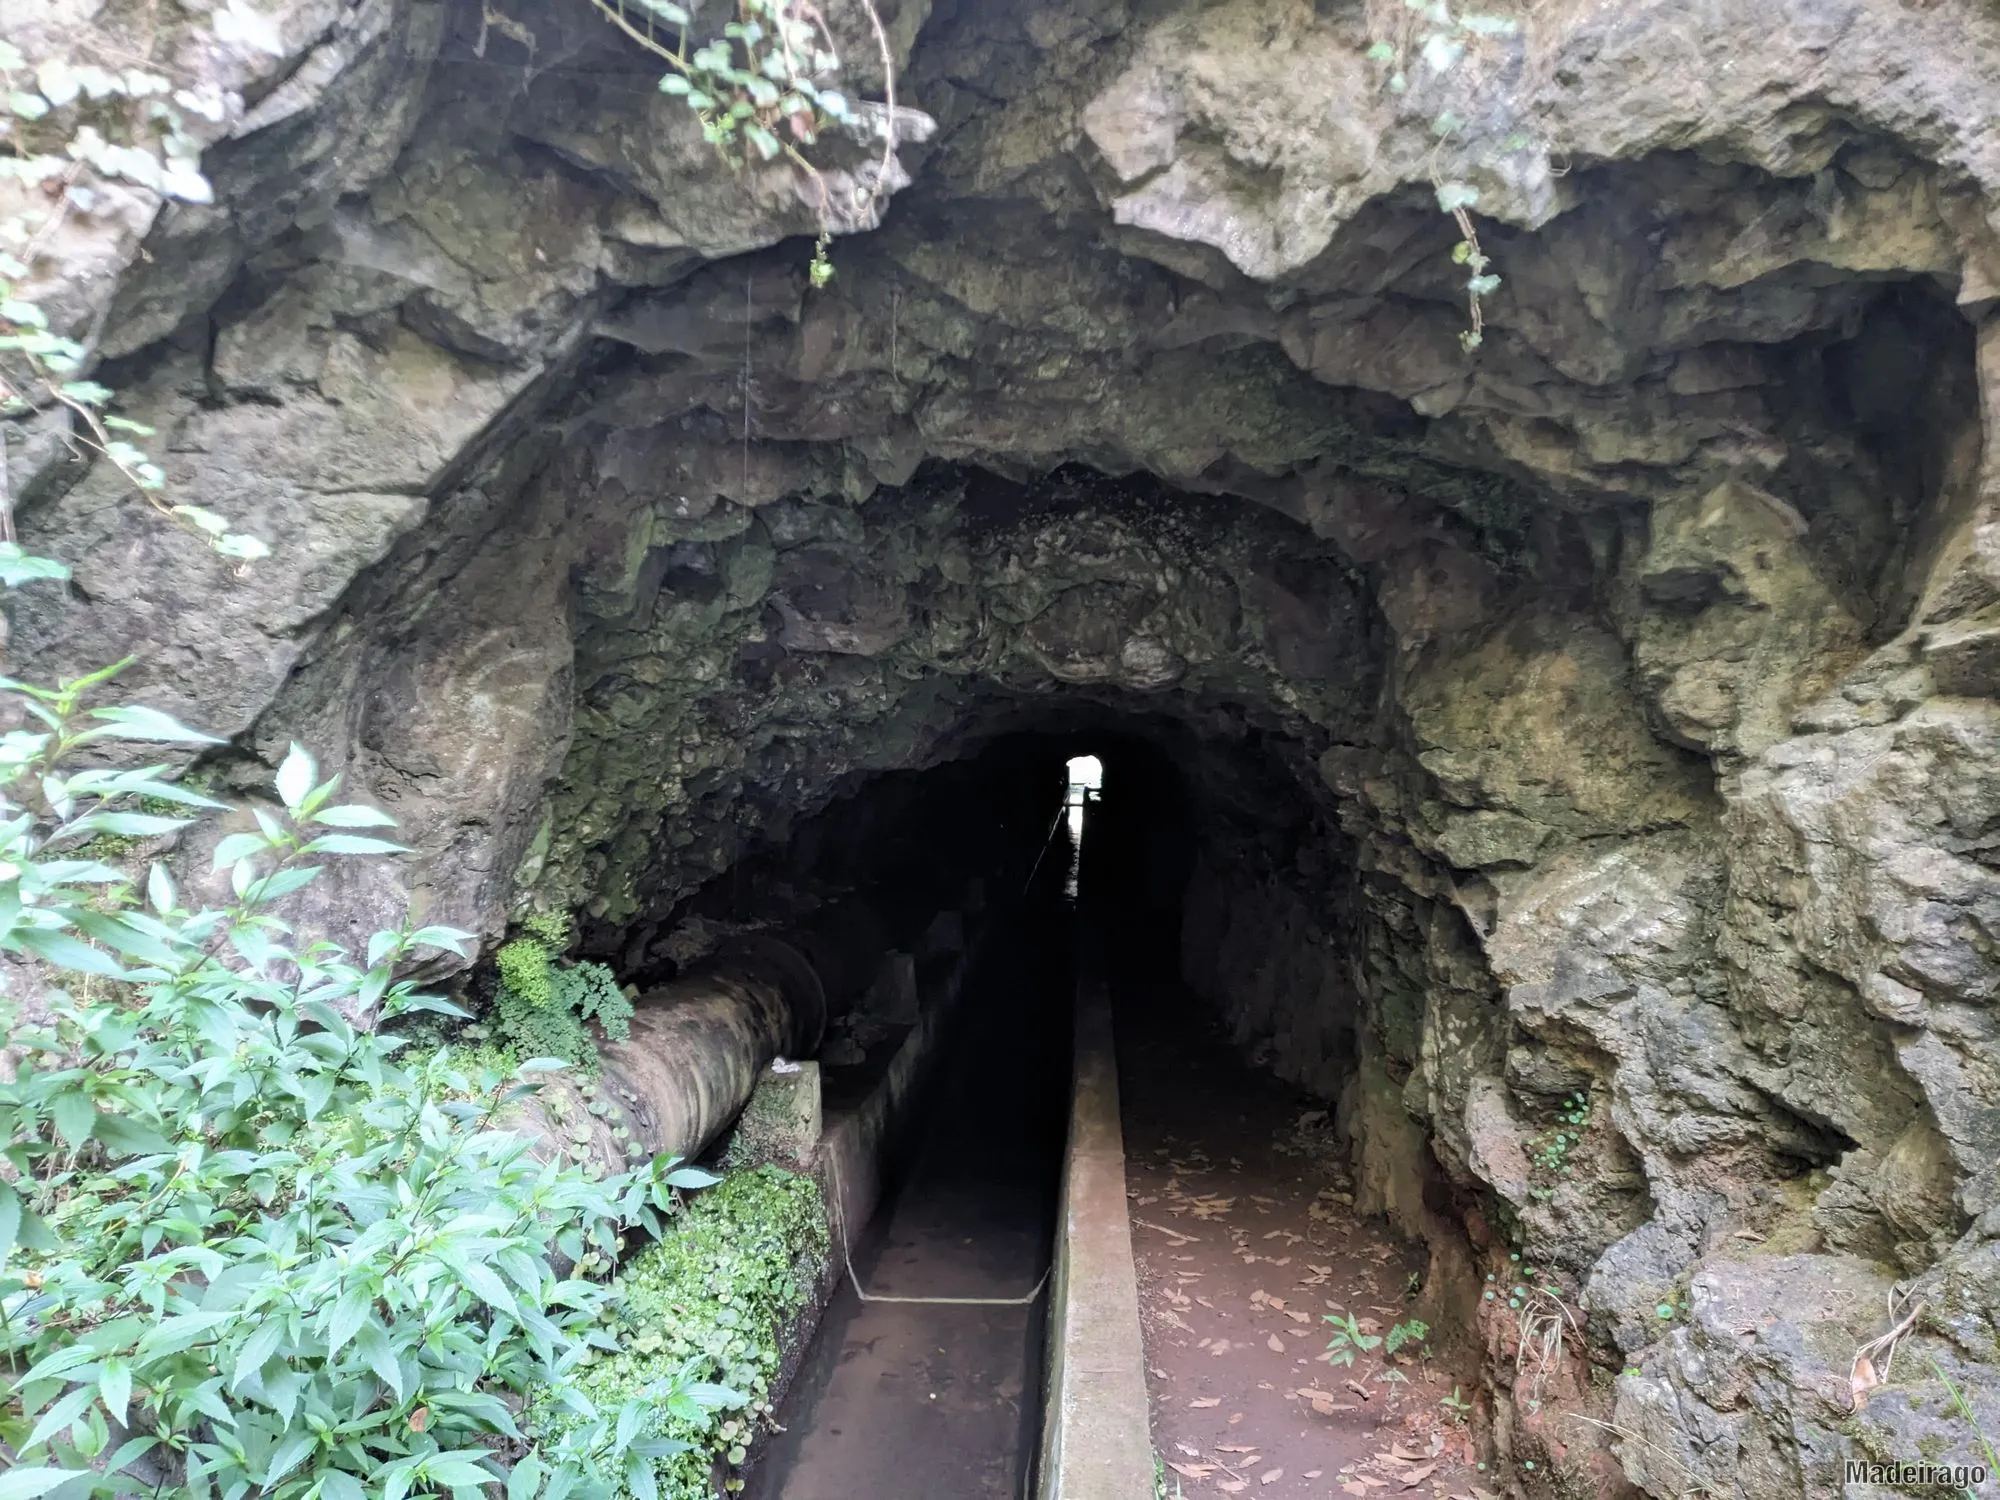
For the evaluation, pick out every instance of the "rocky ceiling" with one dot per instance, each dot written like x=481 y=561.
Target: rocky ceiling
x=1632 y=680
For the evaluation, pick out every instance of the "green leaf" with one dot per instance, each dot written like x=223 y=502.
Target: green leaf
x=452 y=939
x=349 y=1313
x=1483 y=286
x=458 y=1469
x=1453 y=196
x=18 y=567
x=202 y=519
x=241 y=547
x=128 y=824
x=74 y=1115
x=353 y=815
x=114 y=1388
x=1382 y=52
x=295 y=776
x=10 y=1220
x=161 y=892
x=350 y=843
x=65 y=952
x=257 y=1351
x=124 y=1136
x=526 y=1478
x=372 y=1343
x=134 y=722
x=239 y=846
x=25 y=1484
x=288 y=1456
x=1442 y=52
x=66 y=1410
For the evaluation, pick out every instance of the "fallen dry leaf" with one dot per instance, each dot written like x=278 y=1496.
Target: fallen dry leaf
x=1232 y=1486
x=1275 y=1344
x=1414 y=1477
x=1863 y=1379
x=1401 y=1454
x=1354 y=1487
x=1202 y=1403
x=1270 y=1476
x=1191 y=1471
x=1230 y=1448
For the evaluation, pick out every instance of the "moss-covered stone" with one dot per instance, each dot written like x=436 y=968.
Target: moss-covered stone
x=712 y=1300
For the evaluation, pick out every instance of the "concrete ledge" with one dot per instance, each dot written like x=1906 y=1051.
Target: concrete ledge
x=1097 y=1441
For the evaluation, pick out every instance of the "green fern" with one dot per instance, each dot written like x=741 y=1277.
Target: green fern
x=542 y=1008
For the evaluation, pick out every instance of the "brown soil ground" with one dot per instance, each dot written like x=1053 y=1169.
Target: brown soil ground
x=1246 y=1239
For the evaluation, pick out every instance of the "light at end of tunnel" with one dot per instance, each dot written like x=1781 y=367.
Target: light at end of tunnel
x=1086 y=771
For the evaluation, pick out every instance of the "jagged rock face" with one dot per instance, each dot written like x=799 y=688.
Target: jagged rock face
x=1608 y=714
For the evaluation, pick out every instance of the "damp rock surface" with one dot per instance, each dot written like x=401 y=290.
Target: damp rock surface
x=1600 y=726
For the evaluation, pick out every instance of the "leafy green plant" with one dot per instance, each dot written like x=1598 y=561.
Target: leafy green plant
x=1550 y=1151
x=1437 y=39
x=766 y=86
x=1414 y=1331
x=1349 y=1338
x=1457 y=1406
x=542 y=1006
x=1542 y=1317
x=709 y=1303
x=246 y=1247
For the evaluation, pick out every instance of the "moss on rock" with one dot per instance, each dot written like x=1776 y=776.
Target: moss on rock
x=719 y=1292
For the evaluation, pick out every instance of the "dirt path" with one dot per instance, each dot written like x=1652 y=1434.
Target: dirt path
x=1246 y=1242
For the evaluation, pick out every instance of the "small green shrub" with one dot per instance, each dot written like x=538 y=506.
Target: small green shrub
x=1415 y=1331
x=765 y=87
x=1550 y=1151
x=246 y=1247
x=542 y=1006
x=1349 y=1338
x=708 y=1303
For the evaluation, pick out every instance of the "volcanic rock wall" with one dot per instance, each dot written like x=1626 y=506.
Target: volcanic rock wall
x=1634 y=678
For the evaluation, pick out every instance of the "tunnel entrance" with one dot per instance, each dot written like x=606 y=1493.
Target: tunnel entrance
x=1090 y=838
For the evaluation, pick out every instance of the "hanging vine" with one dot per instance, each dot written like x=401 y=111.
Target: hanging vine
x=766 y=85
x=1431 y=35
